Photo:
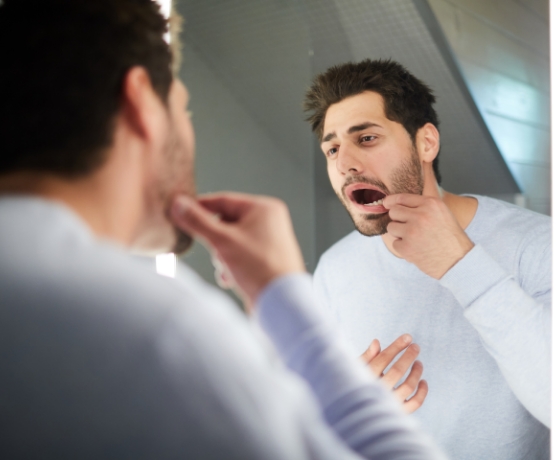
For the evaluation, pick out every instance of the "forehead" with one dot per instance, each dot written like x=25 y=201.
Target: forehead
x=366 y=106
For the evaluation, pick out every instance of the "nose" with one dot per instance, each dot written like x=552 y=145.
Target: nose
x=349 y=161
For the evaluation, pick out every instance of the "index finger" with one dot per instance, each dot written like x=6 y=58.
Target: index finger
x=384 y=358
x=229 y=205
x=404 y=199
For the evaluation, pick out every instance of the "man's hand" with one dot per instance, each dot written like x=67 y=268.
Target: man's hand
x=426 y=233
x=251 y=236
x=378 y=361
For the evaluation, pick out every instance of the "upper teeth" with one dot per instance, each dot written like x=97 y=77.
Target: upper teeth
x=375 y=203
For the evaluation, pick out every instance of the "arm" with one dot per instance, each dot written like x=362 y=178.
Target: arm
x=256 y=244
x=515 y=326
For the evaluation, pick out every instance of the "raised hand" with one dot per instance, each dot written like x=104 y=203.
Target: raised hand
x=378 y=361
x=426 y=233
x=251 y=236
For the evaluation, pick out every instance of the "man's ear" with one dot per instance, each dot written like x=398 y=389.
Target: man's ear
x=427 y=142
x=141 y=107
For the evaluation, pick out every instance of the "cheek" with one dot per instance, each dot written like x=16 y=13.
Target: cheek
x=334 y=176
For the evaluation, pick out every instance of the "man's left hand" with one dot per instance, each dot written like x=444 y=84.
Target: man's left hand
x=426 y=233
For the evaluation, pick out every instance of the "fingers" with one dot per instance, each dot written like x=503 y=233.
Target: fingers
x=406 y=388
x=404 y=199
x=380 y=363
x=373 y=350
x=416 y=401
x=229 y=205
x=397 y=371
x=194 y=219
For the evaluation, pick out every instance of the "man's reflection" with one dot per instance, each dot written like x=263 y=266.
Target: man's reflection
x=469 y=277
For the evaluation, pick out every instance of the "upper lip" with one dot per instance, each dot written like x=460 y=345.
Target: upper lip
x=349 y=190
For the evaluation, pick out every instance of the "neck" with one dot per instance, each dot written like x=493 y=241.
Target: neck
x=108 y=207
x=462 y=207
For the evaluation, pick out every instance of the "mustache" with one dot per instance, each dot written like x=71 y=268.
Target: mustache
x=365 y=180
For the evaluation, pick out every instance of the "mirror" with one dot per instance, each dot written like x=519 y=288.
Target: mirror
x=249 y=63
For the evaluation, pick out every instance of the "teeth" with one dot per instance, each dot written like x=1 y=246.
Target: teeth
x=375 y=203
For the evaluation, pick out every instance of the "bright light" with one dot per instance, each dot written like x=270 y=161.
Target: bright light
x=166 y=265
x=166 y=7
x=553 y=56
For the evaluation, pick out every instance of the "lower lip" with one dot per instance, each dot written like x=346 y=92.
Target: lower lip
x=379 y=209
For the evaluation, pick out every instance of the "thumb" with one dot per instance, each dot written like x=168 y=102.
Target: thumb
x=194 y=219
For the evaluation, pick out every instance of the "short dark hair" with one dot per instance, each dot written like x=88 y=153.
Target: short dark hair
x=63 y=64
x=407 y=99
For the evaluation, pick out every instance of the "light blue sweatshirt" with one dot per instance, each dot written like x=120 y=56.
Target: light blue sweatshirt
x=484 y=328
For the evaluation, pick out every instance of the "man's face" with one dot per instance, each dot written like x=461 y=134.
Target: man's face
x=368 y=157
x=172 y=174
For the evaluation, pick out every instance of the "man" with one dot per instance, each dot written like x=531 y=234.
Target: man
x=104 y=359
x=468 y=276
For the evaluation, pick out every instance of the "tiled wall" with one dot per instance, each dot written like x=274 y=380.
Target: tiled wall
x=502 y=48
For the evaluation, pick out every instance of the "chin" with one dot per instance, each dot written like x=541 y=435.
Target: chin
x=182 y=242
x=371 y=224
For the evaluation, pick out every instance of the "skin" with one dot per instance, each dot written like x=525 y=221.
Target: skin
x=422 y=224
x=360 y=141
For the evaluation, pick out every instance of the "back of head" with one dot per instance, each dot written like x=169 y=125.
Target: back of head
x=63 y=62
x=407 y=100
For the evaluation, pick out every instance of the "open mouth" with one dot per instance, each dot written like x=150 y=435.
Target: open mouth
x=367 y=197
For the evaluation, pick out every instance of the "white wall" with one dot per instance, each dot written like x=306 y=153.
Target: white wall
x=235 y=153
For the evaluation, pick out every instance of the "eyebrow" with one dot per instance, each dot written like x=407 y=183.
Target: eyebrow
x=352 y=129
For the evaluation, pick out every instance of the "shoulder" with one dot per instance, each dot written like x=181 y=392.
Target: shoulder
x=504 y=220
x=518 y=239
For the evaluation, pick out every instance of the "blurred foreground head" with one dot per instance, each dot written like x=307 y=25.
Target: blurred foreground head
x=67 y=93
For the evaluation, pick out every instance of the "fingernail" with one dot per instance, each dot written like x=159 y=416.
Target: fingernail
x=415 y=346
x=181 y=204
x=407 y=338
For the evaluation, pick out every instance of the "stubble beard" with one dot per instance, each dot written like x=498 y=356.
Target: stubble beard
x=178 y=178
x=407 y=178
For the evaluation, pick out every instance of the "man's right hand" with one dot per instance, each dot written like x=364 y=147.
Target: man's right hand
x=251 y=236
x=378 y=361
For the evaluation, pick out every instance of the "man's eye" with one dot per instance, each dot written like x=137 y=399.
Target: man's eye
x=368 y=138
x=332 y=151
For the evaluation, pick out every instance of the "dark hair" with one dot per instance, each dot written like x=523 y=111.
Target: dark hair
x=63 y=64
x=407 y=100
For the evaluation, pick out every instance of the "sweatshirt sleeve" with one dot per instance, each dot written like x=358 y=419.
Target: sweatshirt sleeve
x=359 y=409
x=514 y=325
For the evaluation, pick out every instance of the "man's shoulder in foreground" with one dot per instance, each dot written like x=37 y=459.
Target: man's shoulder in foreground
x=494 y=215
x=105 y=335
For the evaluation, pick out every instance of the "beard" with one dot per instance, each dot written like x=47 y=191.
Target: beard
x=173 y=176
x=178 y=179
x=407 y=178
